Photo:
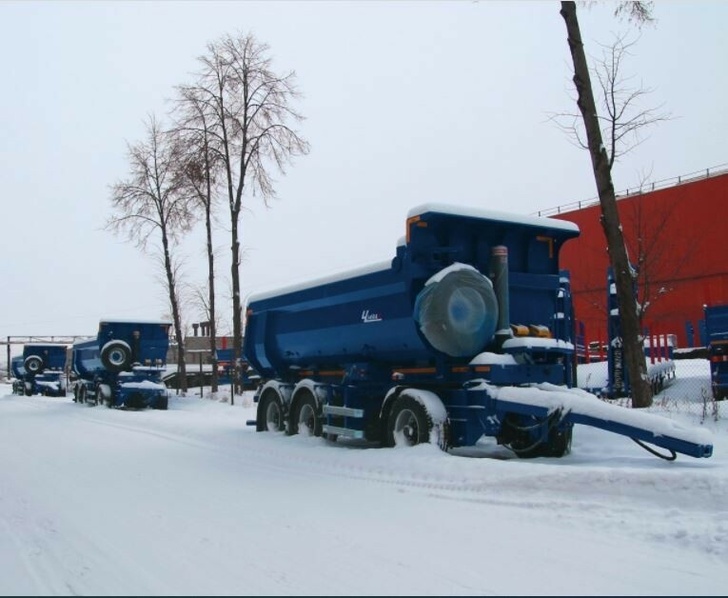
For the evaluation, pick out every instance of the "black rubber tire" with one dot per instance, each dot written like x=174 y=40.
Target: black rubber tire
x=270 y=415
x=116 y=356
x=162 y=403
x=82 y=395
x=34 y=365
x=307 y=418
x=408 y=423
x=557 y=445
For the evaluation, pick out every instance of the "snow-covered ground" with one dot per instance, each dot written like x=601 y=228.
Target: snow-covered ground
x=191 y=501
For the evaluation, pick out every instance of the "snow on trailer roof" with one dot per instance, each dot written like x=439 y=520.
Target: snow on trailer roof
x=132 y=321
x=45 y=345
x=453 y=210
x=345 y=275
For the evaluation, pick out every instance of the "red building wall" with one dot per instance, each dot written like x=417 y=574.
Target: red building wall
x=683 y=230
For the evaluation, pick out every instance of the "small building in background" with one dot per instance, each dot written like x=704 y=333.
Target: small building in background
x=197 y=347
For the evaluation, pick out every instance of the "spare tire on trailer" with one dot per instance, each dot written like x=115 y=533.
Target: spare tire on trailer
x=34 y=364
x=116 y=356
x=457 y=311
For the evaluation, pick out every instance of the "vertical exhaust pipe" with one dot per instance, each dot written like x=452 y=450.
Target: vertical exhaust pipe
x=499 y=277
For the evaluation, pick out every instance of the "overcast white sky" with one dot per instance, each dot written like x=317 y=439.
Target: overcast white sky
x=406 y=103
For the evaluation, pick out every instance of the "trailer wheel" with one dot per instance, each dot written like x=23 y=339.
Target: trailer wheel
x=116 y=356
x=103 y=395
x=33 y=364
x=522 y=435
x=270 y=413
x=408 y=423
x=308 y=418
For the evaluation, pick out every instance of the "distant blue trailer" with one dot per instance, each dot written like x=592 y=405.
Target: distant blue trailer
x=716 y=330
x=123 y=365
x=658 y=351
x=467 y=332
x=40 y=370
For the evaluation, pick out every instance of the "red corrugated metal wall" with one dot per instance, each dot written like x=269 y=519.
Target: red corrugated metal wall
x=683 y=231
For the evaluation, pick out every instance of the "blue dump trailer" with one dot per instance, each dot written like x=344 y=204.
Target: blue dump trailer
x=123 y=365
x=659 y=356
x=41 y=369
x=467 y=332
x=716 y=331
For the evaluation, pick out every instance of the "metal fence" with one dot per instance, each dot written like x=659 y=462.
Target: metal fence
x=644 y=188
x=687 y=391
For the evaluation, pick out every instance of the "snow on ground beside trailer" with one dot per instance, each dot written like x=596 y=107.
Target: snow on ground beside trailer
x=595 y=376
x=191 y=501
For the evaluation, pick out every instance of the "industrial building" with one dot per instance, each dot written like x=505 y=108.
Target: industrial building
x=676 y=232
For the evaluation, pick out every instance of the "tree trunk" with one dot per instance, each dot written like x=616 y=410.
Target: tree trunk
x=176 y=317
x=631 y=338
x=237 y=310
x=211 y=298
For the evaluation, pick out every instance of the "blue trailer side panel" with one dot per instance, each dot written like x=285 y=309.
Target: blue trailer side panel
x=367 y=315
x=716 y=329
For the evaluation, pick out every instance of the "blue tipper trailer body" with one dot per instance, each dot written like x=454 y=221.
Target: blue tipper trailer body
x=467 y=332
x=123 y=365
x=716 y=330
x=40 y=370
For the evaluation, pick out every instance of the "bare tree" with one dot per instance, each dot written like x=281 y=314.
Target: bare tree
x=150 y=210
x=623 y=118
x=252 y=128
x=602 y=169
x=198 y=168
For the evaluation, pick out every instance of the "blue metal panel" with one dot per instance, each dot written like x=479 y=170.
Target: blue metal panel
x=149 y=341
x=53 y=355
x=369 y=317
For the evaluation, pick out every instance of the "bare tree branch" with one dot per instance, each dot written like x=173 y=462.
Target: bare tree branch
x=250 y=123
x=638 y=13
x=149 y=206
x=199 y=171
x=623 y=120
